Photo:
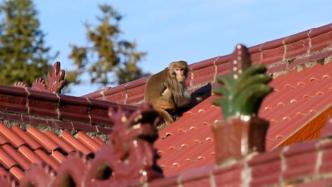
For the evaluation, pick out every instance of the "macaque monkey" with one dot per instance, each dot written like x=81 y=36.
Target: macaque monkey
x=166 y=90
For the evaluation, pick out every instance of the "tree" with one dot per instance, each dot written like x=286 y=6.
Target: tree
x=23 y=54
x=107 y=59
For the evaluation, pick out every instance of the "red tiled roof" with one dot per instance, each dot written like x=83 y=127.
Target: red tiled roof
x=301 y=101
x=297 y=109
x=298 y=97
x=19 y=149
x=303 y=164
x=278 y=55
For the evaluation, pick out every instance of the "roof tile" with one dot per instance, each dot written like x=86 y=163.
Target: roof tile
x=64 y=145
x=20 y=148
x=6 y=160
x=28 y=139
x=81 y=136
x=47 y=159
x=6 y=132
x=98 y=141
x=58 y=156
x=31 y=156
x=3 y=171
x=3 y=140
x=20 y=159
x=75 y=143
x=17 y=173
x=42 y=139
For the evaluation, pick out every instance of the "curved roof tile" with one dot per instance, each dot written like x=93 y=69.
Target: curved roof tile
x=19 y=148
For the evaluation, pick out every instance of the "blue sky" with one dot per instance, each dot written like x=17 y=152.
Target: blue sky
x=190 y=30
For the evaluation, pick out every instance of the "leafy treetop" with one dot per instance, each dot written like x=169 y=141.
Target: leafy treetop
x=107 y=59
x=23 y=54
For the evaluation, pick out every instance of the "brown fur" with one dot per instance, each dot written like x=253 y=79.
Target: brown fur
x=166 y=90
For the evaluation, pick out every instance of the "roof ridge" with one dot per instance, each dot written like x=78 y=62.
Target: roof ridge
x=57 y=111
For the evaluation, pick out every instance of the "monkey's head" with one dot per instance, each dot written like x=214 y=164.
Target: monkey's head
x=178 y=70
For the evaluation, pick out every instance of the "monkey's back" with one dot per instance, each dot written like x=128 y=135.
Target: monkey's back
x=155 y=86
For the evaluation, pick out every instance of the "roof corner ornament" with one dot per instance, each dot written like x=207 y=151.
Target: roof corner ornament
x=54 y=81
x=20 y=84
x=52 y=84
x=38 y=175
x=242 y=131
x=130 y=157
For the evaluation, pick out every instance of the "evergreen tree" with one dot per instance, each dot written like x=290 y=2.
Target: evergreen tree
x=23 y=55
x=107 y=59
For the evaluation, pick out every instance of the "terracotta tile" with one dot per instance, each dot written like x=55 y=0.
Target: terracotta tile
x=28 y=139
x=75 y=143
x=58 y=156
x=3 y=140
x=17 y=172
x=47 y=159
x=86 y=140
x=6 y=160
x=64 y=145
x=20 y=159
x=3 y=171
x=12 y=137
x=42 y=139
x=98 y=141
x=31 y=156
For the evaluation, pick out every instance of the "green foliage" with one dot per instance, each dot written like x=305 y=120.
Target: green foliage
x=23 y=55
x=107 y=55
x=243 y=93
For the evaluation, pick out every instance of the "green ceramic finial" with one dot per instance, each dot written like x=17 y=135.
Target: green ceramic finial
x=243 y=89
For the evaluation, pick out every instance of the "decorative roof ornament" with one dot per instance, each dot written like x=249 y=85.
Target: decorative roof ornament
x=54 y=81
x=20 y=84
x=242 y=131
x=38 y=175
x=72 y=171
x=245 y=88
x=52 y=84
x=130 y=156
